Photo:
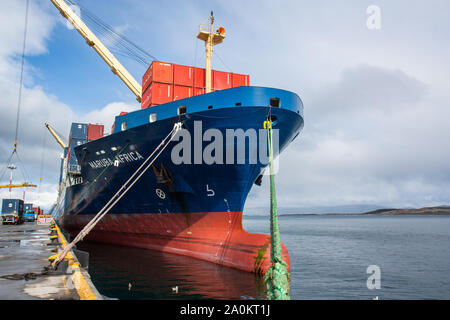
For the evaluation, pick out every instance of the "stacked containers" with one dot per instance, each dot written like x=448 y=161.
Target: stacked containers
x=165 y=82
x=38 y=210
x=157 y=84
x=78 y=136
x=199 y=81
x=183 y=81
x=221 y=80
x=95 y=131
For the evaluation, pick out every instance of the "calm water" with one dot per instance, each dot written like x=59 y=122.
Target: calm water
x=329 y=259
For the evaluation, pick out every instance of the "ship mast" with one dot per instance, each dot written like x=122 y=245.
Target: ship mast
x=99 y=47
x=211 y=38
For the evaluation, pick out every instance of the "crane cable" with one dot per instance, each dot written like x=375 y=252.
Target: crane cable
x=19 y=102
x=120 y=44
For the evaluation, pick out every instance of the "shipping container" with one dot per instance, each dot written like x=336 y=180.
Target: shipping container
x=181 y=92
x=73 y=143
x=221 y=80
x=157 y=93
x=95 y=131
x=199 y=78
x=12 y=211
x=79 y=131
x=73 y=165
x=183 y=75
x=198 y=91
x=240 y=80
x=158 y=72
x=12 y=206
x=28 y=213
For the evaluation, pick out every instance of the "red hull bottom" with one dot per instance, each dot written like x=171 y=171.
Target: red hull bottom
x=217 y=237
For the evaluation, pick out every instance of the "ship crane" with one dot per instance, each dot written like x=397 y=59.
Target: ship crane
x=11 y=185
x=57 y=138
x=23 y=185
x=92 y=40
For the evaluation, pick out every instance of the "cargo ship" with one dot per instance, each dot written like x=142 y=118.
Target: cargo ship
x=189 y=206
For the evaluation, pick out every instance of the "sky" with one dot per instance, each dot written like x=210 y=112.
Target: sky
x=377 y=104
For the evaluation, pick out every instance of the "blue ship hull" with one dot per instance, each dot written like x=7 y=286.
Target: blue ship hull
x=181 y=208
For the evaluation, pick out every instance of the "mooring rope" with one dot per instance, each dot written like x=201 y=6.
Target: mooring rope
x=120 y=193
x=277 y=277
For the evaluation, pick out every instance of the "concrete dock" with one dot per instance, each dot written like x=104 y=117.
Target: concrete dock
x=25 y=272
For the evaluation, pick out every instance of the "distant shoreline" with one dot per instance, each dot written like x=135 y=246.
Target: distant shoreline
x=427 y=211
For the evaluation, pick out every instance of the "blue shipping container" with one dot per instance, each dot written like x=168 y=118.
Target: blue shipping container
x=79 y=131
x=75 y=142
x=27 y=207
x=12 y=206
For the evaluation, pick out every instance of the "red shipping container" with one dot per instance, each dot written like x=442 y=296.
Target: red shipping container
x=221 y=80
x=157 y=93
x=240 y=80
x=158 y=72
x=199 y=77
x=198 y=91
x=183 y=75
x=95 y=131
x=181 y=92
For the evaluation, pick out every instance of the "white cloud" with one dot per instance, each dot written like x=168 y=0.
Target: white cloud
x=37 y=106
x=107 y=114
x=376 y=136
x=376 y=102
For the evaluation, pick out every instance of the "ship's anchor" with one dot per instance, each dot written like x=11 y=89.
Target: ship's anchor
x=164 y=177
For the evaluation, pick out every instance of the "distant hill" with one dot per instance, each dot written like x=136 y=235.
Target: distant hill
x=348 y=210
x=342 y=209
x=435 y=211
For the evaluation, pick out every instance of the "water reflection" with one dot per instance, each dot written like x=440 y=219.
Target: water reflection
x=132 y=273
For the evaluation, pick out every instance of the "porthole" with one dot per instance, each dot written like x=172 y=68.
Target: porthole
x=152 y=117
